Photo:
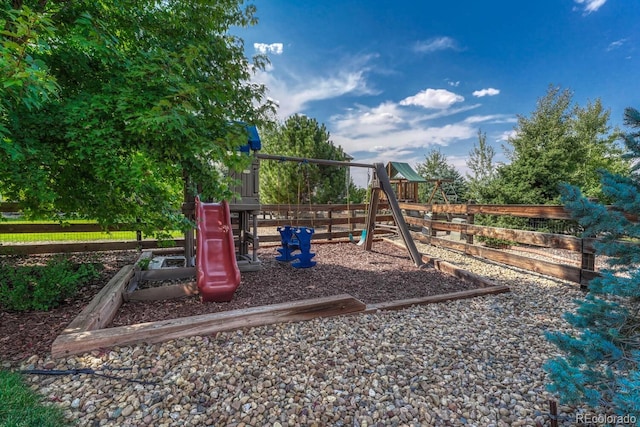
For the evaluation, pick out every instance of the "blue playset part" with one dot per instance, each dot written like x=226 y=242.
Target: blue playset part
x=304 y=234
x=294 y=239
x=289 y=244
x=253 y=142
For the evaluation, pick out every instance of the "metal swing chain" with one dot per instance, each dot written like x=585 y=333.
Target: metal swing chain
x=313 y=225
x=346 y=178
x=299 y=197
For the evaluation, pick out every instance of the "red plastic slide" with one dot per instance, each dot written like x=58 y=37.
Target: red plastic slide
x=218 y=276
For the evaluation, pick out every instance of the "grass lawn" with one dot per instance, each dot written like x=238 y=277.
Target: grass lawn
x=22 y=407
x=68 y=236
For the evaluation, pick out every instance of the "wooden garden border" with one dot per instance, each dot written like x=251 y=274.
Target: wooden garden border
x=88 y=331
x=153 y=332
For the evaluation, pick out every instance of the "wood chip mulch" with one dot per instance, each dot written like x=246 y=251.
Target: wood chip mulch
x=384 y=274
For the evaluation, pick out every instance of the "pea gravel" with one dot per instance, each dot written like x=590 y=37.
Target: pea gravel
x=474 y=362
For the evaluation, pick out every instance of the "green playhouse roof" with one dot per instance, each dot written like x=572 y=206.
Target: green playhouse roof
x=405 y=171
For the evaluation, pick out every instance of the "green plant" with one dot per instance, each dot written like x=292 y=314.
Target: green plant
x=42 y=287
x=21 y=407
x=144 y=263
x=494 y=243
x=437 y=166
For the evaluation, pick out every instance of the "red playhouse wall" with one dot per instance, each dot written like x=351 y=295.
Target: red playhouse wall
x=218 y=275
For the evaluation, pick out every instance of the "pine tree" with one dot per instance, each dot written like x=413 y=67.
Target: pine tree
x=601 y=366
x=482 y=167
x=436 y=166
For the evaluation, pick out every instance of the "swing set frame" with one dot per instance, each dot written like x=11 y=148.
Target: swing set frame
x=380 y=184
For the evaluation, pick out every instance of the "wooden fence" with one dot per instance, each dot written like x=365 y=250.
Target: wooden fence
x=334 y=222
x=44 y=247
x=583 y=246
x=331 y=221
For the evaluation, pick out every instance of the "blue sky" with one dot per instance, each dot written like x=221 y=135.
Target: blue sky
x=393 y=79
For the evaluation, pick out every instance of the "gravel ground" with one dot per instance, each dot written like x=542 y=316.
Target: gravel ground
x=474 y=362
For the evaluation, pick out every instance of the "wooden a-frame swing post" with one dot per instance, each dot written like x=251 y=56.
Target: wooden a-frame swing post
x=438 y=186
x=381 y=183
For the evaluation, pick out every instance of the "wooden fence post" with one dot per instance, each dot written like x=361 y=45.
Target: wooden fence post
x=329 y=216
x=429 y=227
x=432 y=231
x=470 y=220
x=588 y=261
x=139 y=236
x=189 y=211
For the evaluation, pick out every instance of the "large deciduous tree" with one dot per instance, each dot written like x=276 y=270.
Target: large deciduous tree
x=292 y=182
x=559 y=143
x=597 y=149
x=112 y=104
x=601 y=361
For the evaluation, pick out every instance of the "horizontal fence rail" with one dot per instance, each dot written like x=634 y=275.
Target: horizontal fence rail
x=432 y=223
x=440 y=221
x=9 y=228
x=332 y=221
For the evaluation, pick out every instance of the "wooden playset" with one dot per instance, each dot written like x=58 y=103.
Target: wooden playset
x=222 y=253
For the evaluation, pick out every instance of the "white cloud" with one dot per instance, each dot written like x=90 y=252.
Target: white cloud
x=389 y=130
x=616 y=44
x=387 y=117
x=433 y=98
x=400 y=145
x=460 y=163
x=491 y=118
x=293 y=92
x=504 y=137
x=445 y=113
x=435 y=44
x=402 y=140
x=264 y=48
x=486 y=92
x=452 y=83
x=365 y=121
x=591 y=5
x=331 y=87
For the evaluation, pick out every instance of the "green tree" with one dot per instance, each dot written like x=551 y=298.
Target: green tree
x=559 y=143
x=597 y=149
x=435 y=166
x=357 y=194
x=601 y=362
x=26 y=80
x=146 y=94
x=482 y=168
x=292 y=183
